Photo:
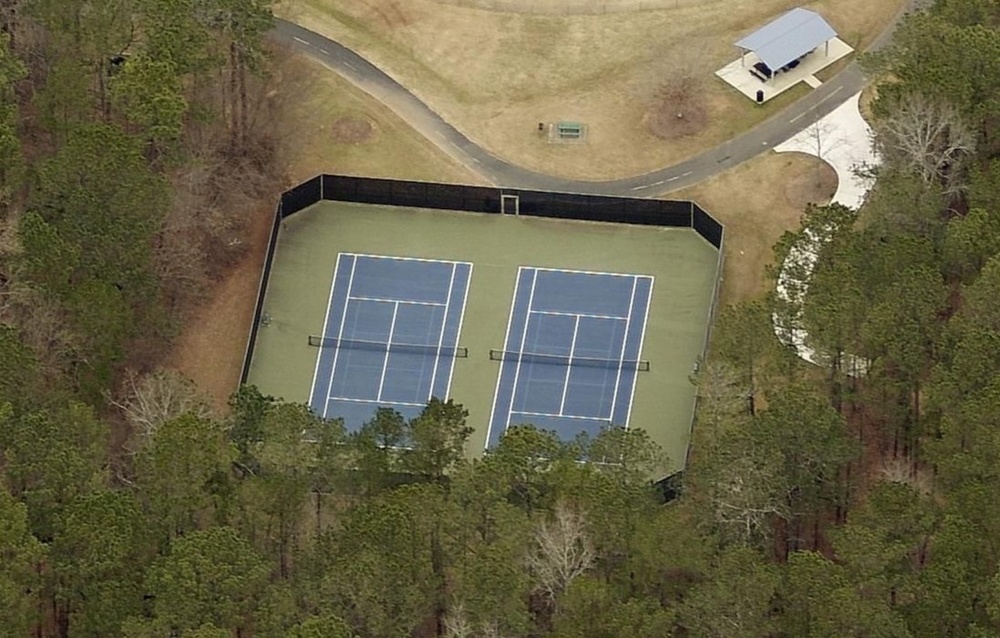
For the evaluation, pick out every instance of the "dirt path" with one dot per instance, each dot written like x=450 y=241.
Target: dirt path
x=211 y=347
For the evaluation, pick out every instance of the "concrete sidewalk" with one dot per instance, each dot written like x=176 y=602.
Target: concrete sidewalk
x=843 y=140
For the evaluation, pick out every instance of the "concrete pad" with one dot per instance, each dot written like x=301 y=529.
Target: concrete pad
x=737 y=73
x=843 y=140
x=812 y=81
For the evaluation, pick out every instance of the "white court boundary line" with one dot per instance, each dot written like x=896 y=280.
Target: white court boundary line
x=340 y=333
x=506 y=340
x=444 y=324
x=621 y=353
x=326 y=320
x=458 y=335
x=562 y=416
x=396 y=258
x=642 y=340
x=375 y=401
x=510 y=411
x=524 y=337
x=587 y=272
x=350 y=284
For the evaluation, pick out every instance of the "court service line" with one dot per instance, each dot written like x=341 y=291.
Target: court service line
x=506 y=339
x=406 y=301
x=621 y=355
x=524 y=337
x=406 y=403
x=577 y=314
x=340 y=332
x=444 y=322
x=458 y=335
x=326 y=320
x=385 y=362
x=569 y=365
x=560 y=416
x=642 y=339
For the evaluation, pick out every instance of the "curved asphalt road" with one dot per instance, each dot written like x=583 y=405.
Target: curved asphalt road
x=775 y=130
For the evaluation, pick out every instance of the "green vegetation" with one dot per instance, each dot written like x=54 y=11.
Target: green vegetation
x=858 y=498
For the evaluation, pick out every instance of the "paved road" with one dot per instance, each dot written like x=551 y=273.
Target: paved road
x=775 y=130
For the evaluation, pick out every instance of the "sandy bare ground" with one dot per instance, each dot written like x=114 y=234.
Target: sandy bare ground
x=496 y=75
x=212 y=343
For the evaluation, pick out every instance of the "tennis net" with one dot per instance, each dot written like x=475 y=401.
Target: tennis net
x=381 y=346
x=562 y=360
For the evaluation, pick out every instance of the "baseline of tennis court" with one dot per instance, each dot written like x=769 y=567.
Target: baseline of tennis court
x=572 y=351
x=390 y=336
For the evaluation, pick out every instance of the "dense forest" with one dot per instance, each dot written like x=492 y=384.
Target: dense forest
x=858 y=498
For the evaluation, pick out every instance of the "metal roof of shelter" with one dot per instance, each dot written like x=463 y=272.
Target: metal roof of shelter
x=789 y=37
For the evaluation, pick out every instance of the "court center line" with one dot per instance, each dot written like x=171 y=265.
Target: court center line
x=524 y=337
x=560 y=416
x=340 y=332
x=407 y=403
x=577 y=314
x=458 y=335
x=385 y=361
x=569 y=365
x=642 y=339
x=506 y=346
x=326 y=321
x=397 y=301
x=621 y=354
x=444 y=322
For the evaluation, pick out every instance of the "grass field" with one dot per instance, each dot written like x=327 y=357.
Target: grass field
x=757 y=201
x=389 y=147
x=682 y=262
x=496 y=75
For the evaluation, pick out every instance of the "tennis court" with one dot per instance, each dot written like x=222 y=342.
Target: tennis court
x=390 y=336
x=572 y=351
x=421 y=249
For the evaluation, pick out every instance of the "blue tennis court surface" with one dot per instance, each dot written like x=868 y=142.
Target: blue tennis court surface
x=572 y=351
x=390 y=337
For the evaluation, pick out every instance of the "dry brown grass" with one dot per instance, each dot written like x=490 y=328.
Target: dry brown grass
x=758 y=201
x=315 y=134
x=211 y=346
x=496 y=75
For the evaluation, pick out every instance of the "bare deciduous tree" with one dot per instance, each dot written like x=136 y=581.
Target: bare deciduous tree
x=904 y=470
x=148 y=401
x=746 y=495
x=458 y=625
x=562 y=550
x=825 y=137
x=929 y=137
x=722 y=397
x=679 y=105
